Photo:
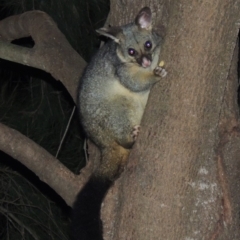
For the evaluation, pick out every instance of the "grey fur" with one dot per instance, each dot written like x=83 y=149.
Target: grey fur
x=114 y=88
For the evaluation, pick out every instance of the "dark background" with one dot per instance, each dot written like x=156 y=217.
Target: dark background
x=32 y=102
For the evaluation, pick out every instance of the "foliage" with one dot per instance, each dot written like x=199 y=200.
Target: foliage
x=26 y=213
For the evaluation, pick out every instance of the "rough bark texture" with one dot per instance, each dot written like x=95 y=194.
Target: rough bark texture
x=228 y=152
x=181 y=179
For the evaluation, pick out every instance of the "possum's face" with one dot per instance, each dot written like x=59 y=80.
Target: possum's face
x=137 y=45
x=136 y=41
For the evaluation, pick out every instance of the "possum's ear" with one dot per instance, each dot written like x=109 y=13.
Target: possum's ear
x=144 y=19
x=115 y=33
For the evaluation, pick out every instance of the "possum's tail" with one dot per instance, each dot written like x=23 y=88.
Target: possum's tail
x=86 y=222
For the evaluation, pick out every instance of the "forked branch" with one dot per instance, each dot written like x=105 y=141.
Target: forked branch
x=53 y=54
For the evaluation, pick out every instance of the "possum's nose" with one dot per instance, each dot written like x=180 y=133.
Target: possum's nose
x=146 y=62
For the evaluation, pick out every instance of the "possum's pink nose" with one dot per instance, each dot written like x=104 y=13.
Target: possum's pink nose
x=146 y=62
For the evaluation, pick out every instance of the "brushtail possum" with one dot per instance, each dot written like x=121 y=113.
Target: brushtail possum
x=113 y=93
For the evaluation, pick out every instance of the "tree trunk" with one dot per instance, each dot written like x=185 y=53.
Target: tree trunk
x=182 y=178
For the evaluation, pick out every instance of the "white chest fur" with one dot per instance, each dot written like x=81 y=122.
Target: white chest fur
x=136 y=99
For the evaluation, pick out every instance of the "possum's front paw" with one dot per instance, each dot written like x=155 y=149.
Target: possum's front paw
x=159 y=71
x=135 y=132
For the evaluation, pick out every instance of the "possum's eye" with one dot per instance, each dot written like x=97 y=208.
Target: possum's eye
x=132 y=51
x=148 y=45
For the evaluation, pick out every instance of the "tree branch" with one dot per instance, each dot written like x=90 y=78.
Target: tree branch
x=43 y=164
x=51 y=52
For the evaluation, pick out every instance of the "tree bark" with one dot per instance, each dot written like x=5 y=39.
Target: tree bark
x=181 y=179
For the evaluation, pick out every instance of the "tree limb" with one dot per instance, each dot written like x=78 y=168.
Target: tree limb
x=51 y=52
x=43 y=164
